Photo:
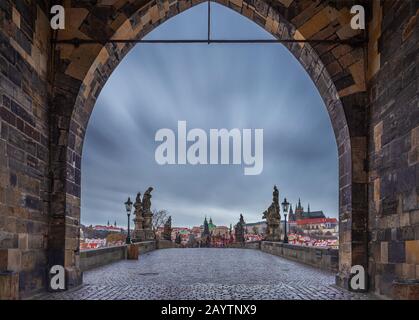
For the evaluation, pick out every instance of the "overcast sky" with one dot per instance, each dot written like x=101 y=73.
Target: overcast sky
x=209 y=86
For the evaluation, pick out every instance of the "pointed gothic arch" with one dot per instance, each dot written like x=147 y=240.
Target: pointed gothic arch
x=80 y=72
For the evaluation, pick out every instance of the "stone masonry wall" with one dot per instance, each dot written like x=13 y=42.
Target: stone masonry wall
x=24 y=141
x=394 y=144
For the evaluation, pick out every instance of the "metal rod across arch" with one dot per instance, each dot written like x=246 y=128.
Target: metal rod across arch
x=78 y=41
x=209 y=22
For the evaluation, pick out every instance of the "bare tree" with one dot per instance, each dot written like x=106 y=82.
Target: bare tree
x=159 y=219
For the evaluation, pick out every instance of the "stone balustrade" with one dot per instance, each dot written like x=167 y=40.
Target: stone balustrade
x=323 y=258
x=94 y=258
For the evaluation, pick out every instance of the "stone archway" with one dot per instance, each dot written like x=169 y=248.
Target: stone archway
x=80 y=73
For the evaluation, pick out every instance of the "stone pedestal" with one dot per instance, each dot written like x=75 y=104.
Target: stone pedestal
x=148 y=231
x=149 y=235
x=274 y=232
x=9 y=285
x=138 y=236
x=138 y=222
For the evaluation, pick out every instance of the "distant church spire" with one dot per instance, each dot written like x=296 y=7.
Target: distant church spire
x=299 y=210
x=206 y=227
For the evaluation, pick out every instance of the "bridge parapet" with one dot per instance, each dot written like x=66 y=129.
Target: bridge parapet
x=323 y=258
x=94 y=258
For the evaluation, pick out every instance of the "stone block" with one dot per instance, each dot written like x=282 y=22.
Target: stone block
x=396 y=252
x=132 y=252
x=9 y=285
x=10 y=259
x=414 y=217
x=405 y=219
x=406 y=290
x=384 y=252
x=23 y=241
x=412 y=251
x=408 y=271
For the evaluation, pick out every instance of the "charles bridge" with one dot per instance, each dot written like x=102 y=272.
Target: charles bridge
x=368 y=80
x=226 y=274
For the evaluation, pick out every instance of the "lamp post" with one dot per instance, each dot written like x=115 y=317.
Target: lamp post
x=285 y=205
x=128 y=207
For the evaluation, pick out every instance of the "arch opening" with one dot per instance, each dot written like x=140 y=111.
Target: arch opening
x=73 y=106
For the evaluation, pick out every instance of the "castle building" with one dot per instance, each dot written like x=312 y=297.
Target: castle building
x=300 y=214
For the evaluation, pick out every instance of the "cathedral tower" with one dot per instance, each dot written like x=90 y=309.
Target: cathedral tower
x=299 y=210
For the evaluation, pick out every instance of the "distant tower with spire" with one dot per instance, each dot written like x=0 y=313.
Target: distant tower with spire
x=291 y=216
x=206 y=231
x=299 y=210
x=205 y=235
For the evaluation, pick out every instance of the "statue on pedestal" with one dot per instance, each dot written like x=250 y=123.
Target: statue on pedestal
x=239 y=230
x=147 y=200
x=167 y=231
x=273 y=218
x=143 y=217
x=147 y=215
x=138 y=220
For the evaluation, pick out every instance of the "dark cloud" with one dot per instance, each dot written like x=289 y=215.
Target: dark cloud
x=216 y=86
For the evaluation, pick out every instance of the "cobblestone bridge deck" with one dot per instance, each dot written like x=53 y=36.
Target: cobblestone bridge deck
x=207 y=274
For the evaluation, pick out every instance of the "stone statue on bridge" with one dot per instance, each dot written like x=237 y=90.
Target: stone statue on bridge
x=143 y=217
x=167 y=231
x=273 y=218
x=239 y=230
x=138 y=220
x=147 y=200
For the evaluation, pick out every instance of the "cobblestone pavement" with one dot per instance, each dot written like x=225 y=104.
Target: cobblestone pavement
x=207 y=273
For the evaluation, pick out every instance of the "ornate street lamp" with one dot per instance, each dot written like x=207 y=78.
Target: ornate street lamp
x=128 y=207
x=285 y=205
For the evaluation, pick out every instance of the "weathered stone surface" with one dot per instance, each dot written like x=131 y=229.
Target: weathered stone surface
x=405 y=290
x=9 y=285
x=132 y=252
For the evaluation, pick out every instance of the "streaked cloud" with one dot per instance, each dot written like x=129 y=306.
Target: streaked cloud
x=209 y=86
